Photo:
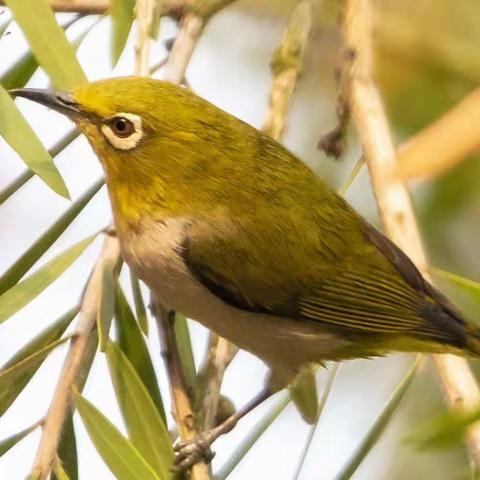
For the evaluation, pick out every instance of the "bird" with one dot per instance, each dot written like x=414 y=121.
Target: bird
x=227 y=226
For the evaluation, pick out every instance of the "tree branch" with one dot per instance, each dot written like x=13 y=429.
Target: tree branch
x=444 y=143
x=393 y=199
x=69 y=378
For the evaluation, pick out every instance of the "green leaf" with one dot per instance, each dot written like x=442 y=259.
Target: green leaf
x=251 y=438
x=185 y=352
x=132 y=343
x=48 y=42
x=14 y=379
x=121 y=457
x=59 y=473
x=45 y=241
x=444 y=431
x=470 y=287
x=24 y=177
x=378 y=427
x=20 y=136
x=146 y=428
x=8 y=443
x=67 y=452
x=107 y=305
x=139 y=304
x=122 y=14
x=23 y=292
x=50 y=334
x=20 y=73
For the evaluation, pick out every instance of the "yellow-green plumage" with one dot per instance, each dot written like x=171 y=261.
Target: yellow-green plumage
x=254 y=227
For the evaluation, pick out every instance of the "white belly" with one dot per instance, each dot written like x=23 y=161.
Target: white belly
x=284 y=344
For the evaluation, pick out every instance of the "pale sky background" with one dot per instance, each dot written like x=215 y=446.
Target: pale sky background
x=229 y=68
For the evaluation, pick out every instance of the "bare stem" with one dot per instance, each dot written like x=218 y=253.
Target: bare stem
x=444 y=143
x=61 y=402
x=145 y=13
x=459 y=385
x=286 y=65
x=181 y=405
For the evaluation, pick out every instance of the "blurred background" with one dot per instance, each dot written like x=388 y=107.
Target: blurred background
x=426 y=61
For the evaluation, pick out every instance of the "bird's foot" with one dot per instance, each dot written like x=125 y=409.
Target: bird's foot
x=193 y=451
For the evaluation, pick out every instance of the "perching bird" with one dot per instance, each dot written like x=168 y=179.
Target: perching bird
x=230 y=228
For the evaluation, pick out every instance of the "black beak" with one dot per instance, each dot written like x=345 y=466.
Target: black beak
x=61 y=102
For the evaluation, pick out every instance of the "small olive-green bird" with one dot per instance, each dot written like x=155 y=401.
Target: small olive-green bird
x=230 y=228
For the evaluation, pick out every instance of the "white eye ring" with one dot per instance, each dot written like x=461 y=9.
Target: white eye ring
x=132 y=121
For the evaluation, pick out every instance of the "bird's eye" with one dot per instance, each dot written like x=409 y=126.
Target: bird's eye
x=123 y=131
x=122 y=127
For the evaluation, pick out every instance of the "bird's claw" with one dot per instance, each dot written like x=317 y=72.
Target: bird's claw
x=191 y=452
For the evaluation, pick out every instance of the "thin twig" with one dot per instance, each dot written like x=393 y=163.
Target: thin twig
x=444 y=143
x=210 y=376
x=287 y=63
x=459 y=385
x=192 y=27
x=145 y=13
x=332 y=372
x=181 y=405
x=61 y=402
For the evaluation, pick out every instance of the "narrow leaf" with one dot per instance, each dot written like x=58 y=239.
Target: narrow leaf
x=67 y=452
x=20 y=73
x=140 y=309
x=14 y=379
x=50 y=334
x=470 y=287
x=378 y=427
x=252 y=437
x=8 y=443
x=133 y=345
x=48 y=42
x=121 y=457
x=444 y=431
x=122 y=14
x=46 y=240
x=185 y=352
x=19 y=135
x=23 y=292
x=146 y=428
x=59 y=472
x=24 y=177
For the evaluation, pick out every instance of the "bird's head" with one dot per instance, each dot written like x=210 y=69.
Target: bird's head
x=150 y=136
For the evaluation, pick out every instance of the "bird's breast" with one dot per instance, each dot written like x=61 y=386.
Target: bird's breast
x=154 y=252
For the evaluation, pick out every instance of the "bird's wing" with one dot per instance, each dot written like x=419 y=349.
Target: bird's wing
x=379 y=291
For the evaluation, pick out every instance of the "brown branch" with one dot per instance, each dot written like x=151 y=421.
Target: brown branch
x=459 y=385
x=169 y=8
x=62 y=397
x=444 y=143
x=145 y=13
x=209 y=381
x=286 y=65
